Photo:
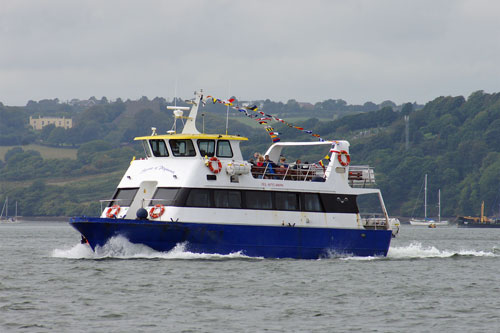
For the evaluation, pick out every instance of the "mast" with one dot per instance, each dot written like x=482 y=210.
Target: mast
x=190 y=126
x=425 y=197
x=439 y=205
x=3 y=208
x=482 y=212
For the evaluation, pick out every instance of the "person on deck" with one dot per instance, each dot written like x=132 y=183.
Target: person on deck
x=282 y=163
x=297 y=164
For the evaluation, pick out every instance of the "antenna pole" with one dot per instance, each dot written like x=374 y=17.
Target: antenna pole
x=227 y=108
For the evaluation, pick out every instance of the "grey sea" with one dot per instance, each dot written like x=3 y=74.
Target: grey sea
x=433 y=280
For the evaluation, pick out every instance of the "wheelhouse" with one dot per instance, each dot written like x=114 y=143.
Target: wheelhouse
x=196 y=145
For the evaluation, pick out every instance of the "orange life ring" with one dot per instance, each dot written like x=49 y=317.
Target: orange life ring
x=211 y=167
x=341 y=160
x=154 y=214
x=113 y=211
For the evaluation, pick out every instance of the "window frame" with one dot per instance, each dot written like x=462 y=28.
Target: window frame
x=171 y=201
x=119 y=201
x=230 y=149
x=206 y=140
x=164 y=145
x=187 y=148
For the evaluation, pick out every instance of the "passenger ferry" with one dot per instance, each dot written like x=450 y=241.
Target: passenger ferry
x=196 y=189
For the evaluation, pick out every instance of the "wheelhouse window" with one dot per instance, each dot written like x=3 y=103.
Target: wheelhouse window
x=146 y=148
x=227 y=198
x=312 y=202
x=224 y=149
x=164 y=196
x=182 y=148
x=206 y=147
x=287 y=201
x=159 y=148
x=259 y=200
x=198 y=198
x=123 y=197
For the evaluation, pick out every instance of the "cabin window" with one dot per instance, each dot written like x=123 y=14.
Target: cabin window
x=164 y=196
x=198 y=198
x=207 y=147
x=287 y=201
x=224 y=149
x=312 y=202
x=182 y=148
x=123 y=197
x=159 y=148
x=147 y=150
x=259 y=200
x=227 y=199
x=339 y=203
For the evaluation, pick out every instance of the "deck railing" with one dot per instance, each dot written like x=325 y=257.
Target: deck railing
x=297 y=172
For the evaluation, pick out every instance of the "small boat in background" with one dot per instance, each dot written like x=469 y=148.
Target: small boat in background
x=478 y=222
x=428 y=222
x=6 y=218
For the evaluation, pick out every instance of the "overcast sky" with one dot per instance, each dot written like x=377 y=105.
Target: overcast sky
x=310 y=51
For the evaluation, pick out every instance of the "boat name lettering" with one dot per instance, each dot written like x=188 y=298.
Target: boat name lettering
x=159 y=168
x=271 y=184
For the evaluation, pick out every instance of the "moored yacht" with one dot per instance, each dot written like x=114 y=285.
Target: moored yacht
x=196 y=189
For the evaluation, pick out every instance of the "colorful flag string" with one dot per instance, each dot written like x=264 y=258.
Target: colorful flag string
x=262 y=118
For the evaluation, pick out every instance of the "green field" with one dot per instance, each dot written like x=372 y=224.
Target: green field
x=46 y=152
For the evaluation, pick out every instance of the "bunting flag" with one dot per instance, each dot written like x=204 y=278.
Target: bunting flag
x=263 y=118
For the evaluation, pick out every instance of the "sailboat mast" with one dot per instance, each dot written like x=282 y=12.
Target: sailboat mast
x=439 y=205
x=425 y=197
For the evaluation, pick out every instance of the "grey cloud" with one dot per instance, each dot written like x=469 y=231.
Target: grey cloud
x=309 y=51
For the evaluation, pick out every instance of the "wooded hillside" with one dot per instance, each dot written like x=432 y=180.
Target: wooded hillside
x=456 y=141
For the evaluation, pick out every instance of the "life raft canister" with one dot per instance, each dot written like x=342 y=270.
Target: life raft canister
x=113 y=211
x=210 y=164
x=347 y=158
x=156 y=211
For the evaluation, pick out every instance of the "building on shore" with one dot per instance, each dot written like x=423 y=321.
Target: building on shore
x=41 y=122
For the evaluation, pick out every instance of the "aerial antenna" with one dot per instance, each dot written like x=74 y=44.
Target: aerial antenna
x=227 y=106
x=175 y=92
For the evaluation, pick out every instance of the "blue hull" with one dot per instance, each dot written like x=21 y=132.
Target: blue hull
x=253 y=241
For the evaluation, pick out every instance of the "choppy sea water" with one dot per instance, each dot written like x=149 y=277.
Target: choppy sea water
x=433 y=280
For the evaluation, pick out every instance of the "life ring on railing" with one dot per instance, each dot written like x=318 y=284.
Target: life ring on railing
x=211 y=166
x=347 y=158
x=153 y=211
x=113 y=211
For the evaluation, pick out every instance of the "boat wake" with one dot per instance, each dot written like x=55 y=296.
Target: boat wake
x=120 y=248
x=418 y=251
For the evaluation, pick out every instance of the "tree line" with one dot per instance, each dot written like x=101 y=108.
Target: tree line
x=455 y=140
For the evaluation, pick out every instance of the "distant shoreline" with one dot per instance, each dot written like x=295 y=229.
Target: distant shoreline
x=44 y=218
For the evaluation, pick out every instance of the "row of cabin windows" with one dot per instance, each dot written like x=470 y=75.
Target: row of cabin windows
x=185 y=148
x=244 y=199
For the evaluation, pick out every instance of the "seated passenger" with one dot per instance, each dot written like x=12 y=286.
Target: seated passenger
x=296 y=165
x=260 y=166
x=268 y=161
x=282 y=163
